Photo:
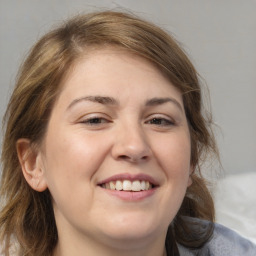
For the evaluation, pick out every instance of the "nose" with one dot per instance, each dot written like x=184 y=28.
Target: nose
x=131 y=144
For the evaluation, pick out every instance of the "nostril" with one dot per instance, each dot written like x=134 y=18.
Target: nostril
x=131 y=150
x=132 y=158
x=144 y=158
x=124 y=157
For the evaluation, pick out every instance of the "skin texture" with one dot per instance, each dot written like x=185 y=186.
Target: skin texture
x=91 y=139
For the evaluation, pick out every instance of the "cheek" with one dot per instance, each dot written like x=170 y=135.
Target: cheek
x=174 y=155
x=70 y=164
x=71 y=158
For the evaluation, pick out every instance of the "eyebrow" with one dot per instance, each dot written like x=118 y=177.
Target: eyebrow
x=160 y=101
x=98 y=99
x=105 y=100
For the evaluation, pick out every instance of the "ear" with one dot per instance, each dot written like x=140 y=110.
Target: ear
x=31 y=164
x=191 y=171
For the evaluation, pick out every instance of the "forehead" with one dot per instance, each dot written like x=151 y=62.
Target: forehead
x=117 y=72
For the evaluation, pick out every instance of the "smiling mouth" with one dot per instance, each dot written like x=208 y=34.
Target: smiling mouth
x=127 y=185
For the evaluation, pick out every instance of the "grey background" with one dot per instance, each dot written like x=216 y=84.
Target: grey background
x=219 y=36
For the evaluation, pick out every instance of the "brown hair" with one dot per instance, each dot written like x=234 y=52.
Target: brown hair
x=27 y=216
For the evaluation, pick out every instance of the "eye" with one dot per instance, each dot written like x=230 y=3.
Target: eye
x=94 y=121
x=160 y=121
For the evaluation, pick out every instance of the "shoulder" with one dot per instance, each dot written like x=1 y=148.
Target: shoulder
x=224 y=242
x=227 y=242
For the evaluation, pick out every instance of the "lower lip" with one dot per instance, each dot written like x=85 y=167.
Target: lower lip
x=131 y=196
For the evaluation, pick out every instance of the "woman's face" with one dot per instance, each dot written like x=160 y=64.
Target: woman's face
x=116 y=155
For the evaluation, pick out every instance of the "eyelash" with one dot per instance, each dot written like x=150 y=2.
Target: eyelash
x=94 y=121
x=157 y=121
x=160 y=121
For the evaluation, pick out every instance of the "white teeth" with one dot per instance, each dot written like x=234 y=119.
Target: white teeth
x=119 y=185
x=143 y=185
x=147 y=185
x=136 y=186
x=128 y=185
x=112 y=185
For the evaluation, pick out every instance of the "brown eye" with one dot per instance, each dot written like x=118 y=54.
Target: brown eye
x=95 y=121
x=161 y=121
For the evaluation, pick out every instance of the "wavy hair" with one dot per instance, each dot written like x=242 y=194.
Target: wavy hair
x=27 y=215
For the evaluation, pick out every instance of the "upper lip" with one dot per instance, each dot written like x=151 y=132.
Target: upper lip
x=131 y=177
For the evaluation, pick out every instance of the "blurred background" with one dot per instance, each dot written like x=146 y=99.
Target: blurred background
x=220 y=38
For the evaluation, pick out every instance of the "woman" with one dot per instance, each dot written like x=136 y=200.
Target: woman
x=104 y=139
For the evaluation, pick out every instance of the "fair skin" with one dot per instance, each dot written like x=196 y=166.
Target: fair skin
x=116 y=118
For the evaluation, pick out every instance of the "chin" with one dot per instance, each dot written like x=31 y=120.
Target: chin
x=134 y=228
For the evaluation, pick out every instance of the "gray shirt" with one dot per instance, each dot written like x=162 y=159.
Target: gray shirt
x=224 y=242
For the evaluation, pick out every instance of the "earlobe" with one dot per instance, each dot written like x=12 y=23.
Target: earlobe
x=191 y=171
x=189 y=181
x=31 y=164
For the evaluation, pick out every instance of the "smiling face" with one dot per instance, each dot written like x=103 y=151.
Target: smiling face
x=116 y=154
